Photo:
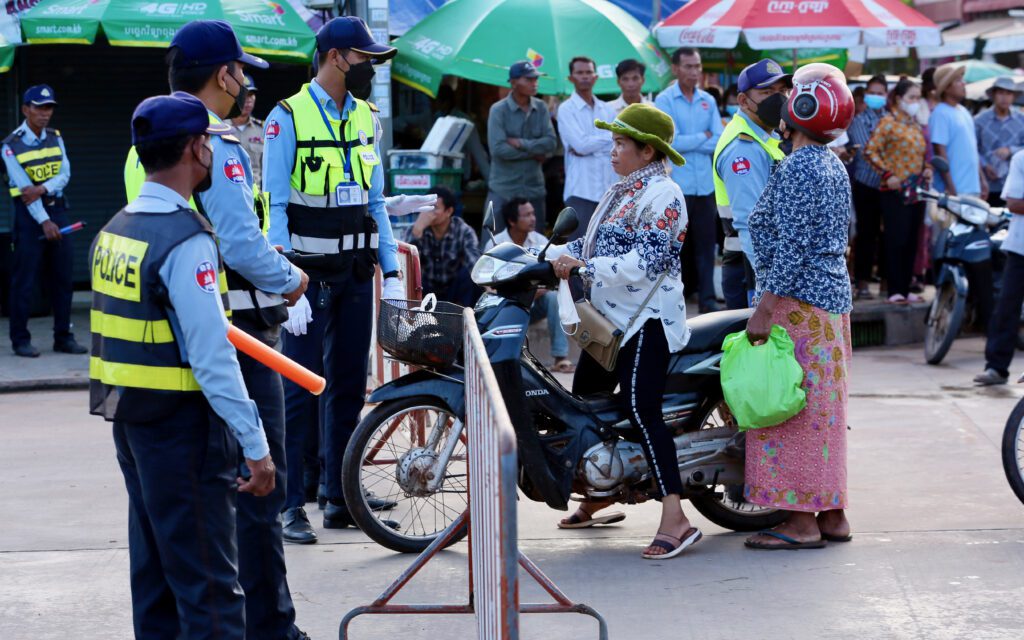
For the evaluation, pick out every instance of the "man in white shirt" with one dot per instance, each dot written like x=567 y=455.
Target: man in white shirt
x=588 y=168
x=520 y=225
x=630 y=75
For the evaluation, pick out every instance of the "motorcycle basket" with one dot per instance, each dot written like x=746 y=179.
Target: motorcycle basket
x=429 y=338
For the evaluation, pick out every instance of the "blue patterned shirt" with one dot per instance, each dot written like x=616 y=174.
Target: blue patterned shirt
x=800 y=231
x=860 y=133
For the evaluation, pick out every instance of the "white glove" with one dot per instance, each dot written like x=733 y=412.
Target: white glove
x=393 y=289
x=404 y=205
x=299 y=317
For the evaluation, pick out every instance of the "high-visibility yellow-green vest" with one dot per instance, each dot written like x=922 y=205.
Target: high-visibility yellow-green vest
x=325 y=217
x=41 y=162
x=738 y=127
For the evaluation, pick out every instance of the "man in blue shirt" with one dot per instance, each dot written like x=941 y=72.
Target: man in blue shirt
x=866 y=185
x=953 y=136
x=322 y=170
x=698 y=127
x=38 y=170
x=174 y=391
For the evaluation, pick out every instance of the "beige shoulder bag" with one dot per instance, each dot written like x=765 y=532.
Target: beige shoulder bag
x=598 y=336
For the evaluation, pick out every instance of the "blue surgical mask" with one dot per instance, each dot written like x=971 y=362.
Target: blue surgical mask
x=732 y=109
x=873 y=101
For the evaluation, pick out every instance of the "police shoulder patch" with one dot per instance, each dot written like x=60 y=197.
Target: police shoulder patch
x=206 y=276
x=741 y=166
x=233 y=170
x=8 y=152
x=273 y=130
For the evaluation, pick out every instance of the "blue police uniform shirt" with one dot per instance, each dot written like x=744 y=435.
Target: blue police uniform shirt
x=1013 y=188
x=693 y=118
x=278 y=156
x=745 y=168
x=229 y=206
x=954 y=128
x=201 y=333
x=18 y=178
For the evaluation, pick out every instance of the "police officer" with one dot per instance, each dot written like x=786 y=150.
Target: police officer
x=322 y=171
x=249 y=131
x=206 y=60
x=38 y=170
x=744 y=158
x=170 y=381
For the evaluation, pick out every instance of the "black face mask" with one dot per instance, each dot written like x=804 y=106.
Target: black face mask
x=243 y=92
x=769 y=110
x=207 y=182
x=359 y=79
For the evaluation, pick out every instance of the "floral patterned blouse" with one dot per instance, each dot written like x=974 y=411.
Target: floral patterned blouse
x=897 y=146
x=799 y=227
x=642 y=225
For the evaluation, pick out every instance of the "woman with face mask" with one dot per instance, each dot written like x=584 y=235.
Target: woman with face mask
x=897 y=150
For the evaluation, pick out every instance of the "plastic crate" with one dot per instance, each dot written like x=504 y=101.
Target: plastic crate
x=424 y=180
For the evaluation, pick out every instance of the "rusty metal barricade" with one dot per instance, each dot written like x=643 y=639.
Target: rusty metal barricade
x=494 y=556
x=384 y=368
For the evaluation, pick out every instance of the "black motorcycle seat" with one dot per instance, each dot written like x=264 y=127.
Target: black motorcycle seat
x=708 y=330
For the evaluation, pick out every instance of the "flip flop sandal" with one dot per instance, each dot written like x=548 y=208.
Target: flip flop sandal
x=791 y=543
x=834 y=538
x=576 y=522
x=563 y=365
x=690 y=538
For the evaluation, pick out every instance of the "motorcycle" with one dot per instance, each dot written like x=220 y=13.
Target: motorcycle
x=1013 y=448
x=970 y=244
x=411 y=448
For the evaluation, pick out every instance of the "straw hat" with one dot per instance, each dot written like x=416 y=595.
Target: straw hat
x=946 y=75
x=648 y=124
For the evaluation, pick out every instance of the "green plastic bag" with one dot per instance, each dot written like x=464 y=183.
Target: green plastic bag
x=763 y=384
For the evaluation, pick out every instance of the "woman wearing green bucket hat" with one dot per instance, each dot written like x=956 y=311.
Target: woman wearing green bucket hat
x=629 y=258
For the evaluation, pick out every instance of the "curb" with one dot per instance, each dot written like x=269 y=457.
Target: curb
x=44 y=384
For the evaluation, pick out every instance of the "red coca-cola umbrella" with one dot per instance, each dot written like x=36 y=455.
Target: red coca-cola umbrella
x=797 y=24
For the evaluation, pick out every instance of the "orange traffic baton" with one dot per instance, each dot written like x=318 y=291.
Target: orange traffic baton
x=287 y=367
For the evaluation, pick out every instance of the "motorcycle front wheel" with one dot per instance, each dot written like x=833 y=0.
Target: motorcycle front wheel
x=724 y=505
x=391 y=455
x=1013 y=450
x=944 y=321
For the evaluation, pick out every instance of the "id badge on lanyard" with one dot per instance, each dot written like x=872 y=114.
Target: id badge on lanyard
x=348 y=194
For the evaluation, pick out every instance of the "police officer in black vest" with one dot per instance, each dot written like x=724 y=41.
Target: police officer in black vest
x=38 y=171
x=164 y=372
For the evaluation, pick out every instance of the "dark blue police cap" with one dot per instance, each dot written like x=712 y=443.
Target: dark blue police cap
x=39 y=95
x=206 y=42
x=179 y=114
x=523 y=69
x=762 y=75
x=350 y=32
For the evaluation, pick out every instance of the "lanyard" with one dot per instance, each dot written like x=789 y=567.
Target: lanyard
x=330 y=129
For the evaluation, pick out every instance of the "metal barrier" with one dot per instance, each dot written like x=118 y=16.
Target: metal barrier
x=494 y=557
x=384 y=368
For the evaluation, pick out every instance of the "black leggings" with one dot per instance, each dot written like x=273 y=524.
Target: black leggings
x=640 y=373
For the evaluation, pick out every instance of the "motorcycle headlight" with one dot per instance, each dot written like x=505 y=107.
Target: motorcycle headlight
x=973 y=215
x=489 y=270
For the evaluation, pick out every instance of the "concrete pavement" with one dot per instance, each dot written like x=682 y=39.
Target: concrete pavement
x=939 y=548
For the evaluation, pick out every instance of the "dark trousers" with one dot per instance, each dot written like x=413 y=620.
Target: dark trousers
x=640 y=373
x=461 y=290
x=902 y=223
x=737 y=280
x=180 y=475
x=698 y=255
x=584 y=212
x=33 y=256
x=1002 y=332
x=269 y=612
x=868 y=203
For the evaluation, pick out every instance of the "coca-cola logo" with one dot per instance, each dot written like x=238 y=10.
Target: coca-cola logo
x=697 y=36
x=801 y=6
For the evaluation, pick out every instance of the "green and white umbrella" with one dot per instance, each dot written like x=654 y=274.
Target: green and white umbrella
x=272 y=30
x=6 y=57
x=479 y=40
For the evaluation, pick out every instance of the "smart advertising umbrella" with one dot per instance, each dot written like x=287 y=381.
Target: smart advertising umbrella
x=797 y=24
x=269 y=29
x=479 y=39
x=976 y=70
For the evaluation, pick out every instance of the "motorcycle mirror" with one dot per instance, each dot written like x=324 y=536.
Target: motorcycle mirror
x=566 y=223
x=940 y=164
x=489 y=218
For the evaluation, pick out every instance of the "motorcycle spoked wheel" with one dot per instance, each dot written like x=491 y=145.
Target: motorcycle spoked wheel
x=717 y=505
x=944 y=321
x=1013 y=450
x=395 y=433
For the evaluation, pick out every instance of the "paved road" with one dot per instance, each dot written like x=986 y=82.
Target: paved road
x=939 y=549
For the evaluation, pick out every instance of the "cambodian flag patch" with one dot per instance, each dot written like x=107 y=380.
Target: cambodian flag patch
x=206 y=276
x=234 y=171
x=273 y=129
x=741 y=166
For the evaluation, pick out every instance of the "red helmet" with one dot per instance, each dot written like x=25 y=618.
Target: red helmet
x=820 y=104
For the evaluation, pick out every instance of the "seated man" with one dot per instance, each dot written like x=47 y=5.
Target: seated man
x=448 y=250
x=520 y=224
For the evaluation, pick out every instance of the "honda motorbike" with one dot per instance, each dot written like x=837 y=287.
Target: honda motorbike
x=971 y=244
x=411 y=448
x=1013 y=448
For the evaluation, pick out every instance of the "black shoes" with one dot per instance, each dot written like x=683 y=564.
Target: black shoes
x=69 y=346
x=336 y=515
x=378 y=504
x=26 y=350
x=297 y=529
